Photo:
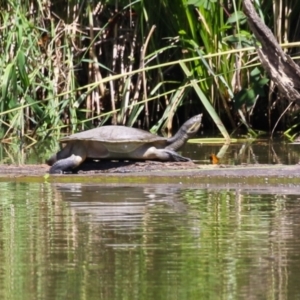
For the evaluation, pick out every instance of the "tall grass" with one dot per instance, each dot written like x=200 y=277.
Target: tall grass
x=72 y=65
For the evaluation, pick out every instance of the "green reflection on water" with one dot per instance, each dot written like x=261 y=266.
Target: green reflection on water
x=75 y=241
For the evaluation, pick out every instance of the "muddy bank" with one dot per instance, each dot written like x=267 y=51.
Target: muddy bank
x=157 y=172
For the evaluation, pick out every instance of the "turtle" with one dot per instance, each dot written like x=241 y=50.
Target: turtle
x=121 y=142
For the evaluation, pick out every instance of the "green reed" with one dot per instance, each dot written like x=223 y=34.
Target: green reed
x=79 y=64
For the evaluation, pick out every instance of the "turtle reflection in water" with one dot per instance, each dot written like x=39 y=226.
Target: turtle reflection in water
x=121 y=142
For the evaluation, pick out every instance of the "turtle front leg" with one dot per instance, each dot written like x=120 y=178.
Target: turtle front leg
x=164 y=155
x=175 y=156
x=66 y=164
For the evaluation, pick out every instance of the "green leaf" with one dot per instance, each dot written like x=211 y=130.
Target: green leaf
x=245 y=97
x=6 y=79
x=237 y=16
x=194 y=2
x=259 y=86
x=206 y=4
x=35 y=106
x=21 y=63
x=237 y=39
x=263 y=81
x=255 y=72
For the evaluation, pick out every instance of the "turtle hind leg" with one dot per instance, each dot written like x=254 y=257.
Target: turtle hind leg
x=66 y=164
x=52 y=160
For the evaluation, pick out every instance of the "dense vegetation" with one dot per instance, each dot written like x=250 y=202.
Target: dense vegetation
x=72 y=65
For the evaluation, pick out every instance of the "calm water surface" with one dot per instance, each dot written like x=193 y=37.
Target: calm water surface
x=81 y=241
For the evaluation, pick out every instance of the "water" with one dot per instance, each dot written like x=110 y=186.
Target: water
x=82 y=241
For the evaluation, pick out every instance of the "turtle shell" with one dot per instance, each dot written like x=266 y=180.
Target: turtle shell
x=116 y=138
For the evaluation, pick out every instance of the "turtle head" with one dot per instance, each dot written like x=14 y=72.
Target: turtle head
x=185 y=132
x=191 y=126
